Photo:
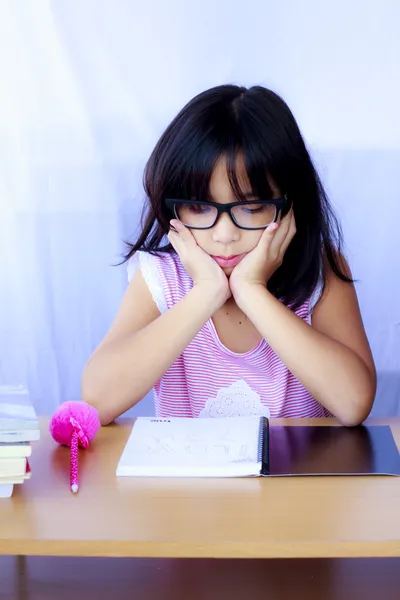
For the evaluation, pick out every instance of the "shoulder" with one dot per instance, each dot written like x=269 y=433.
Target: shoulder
x=331 y=283
x=148 y=264
x=328 y=278
x=331 y=288
x=163 y=273
x=146 y=261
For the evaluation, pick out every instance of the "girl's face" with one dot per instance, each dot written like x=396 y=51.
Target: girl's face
x=225 y=240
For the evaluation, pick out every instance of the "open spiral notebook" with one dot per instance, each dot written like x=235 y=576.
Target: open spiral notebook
x=248 y=446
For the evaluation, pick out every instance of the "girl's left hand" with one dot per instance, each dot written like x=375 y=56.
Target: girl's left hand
x=258 y=266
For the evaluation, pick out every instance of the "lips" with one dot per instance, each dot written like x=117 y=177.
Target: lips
x=230 y=261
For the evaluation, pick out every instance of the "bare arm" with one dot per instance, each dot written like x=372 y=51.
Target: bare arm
x=141 y=345
x=331 y=358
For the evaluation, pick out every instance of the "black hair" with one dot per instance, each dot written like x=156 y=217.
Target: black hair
x=256 y=123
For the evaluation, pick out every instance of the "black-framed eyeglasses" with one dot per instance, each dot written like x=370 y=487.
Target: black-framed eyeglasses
x=253 y=214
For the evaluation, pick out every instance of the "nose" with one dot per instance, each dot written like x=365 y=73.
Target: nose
x=225 y=231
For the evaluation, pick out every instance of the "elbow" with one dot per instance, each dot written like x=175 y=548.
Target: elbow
x=105 y=420
x=96 y=398
x=352 y=420
x=360 y=406
x=104 y=415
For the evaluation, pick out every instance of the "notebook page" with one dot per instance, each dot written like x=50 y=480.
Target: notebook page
x=192 y=447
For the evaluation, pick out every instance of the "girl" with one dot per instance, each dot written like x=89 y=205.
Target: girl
x=248 y=306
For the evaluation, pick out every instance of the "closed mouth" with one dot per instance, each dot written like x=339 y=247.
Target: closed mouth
x=228 y=261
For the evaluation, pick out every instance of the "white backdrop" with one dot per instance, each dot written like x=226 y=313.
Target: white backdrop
x=86 y=89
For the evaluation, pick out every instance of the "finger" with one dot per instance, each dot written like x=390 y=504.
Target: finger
x=183 y=232
x=173 y=239
x=290 y=235
x=282 y=233
x=173 y=224
x=282 y=219
x=267 y=237
x=286 y=222
x=181 y=239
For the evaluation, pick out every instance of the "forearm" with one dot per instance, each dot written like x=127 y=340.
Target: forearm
x=332 y=373
x=124 y=370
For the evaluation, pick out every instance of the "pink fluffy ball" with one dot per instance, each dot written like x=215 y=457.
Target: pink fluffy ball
x=74 y=416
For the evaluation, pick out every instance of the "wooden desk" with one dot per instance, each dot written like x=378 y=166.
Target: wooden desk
x=191 y=518
x=64 y=578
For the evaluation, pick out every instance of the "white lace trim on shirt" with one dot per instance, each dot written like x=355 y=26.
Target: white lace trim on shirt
x=315 y=297
x=151 y=276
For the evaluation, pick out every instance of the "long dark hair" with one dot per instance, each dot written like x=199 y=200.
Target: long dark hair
x=256 y=123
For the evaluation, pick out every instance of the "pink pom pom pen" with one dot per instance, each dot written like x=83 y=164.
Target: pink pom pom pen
x=74 y=424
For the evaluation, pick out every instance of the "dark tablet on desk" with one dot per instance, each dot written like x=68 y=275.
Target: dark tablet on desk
x=330 y=450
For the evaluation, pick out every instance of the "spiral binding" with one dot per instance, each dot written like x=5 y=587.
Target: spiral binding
x=263 y=445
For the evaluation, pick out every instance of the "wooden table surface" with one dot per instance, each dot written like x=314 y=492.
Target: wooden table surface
x=224 y=518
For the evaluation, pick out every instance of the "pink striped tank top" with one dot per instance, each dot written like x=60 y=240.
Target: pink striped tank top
x=208 y=379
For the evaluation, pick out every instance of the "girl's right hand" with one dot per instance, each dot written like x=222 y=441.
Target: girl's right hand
x=203 y=269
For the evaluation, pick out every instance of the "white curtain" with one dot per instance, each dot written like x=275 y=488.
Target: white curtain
x=86 y=89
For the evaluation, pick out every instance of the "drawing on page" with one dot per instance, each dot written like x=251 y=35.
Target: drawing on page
x=159 y=445
x=228 y=436
x=194 y=438
x=225 y=446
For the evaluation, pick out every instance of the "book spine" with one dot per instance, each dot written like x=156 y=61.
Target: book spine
x=263 y=445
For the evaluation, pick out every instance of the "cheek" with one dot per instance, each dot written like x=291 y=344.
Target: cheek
x=252 y=238
x=203 y=239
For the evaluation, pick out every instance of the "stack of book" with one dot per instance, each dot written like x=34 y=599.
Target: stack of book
x=19 y=427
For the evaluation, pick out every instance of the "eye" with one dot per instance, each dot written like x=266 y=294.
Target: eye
x=198 y=209
x=255 y=208
x=253 y=211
